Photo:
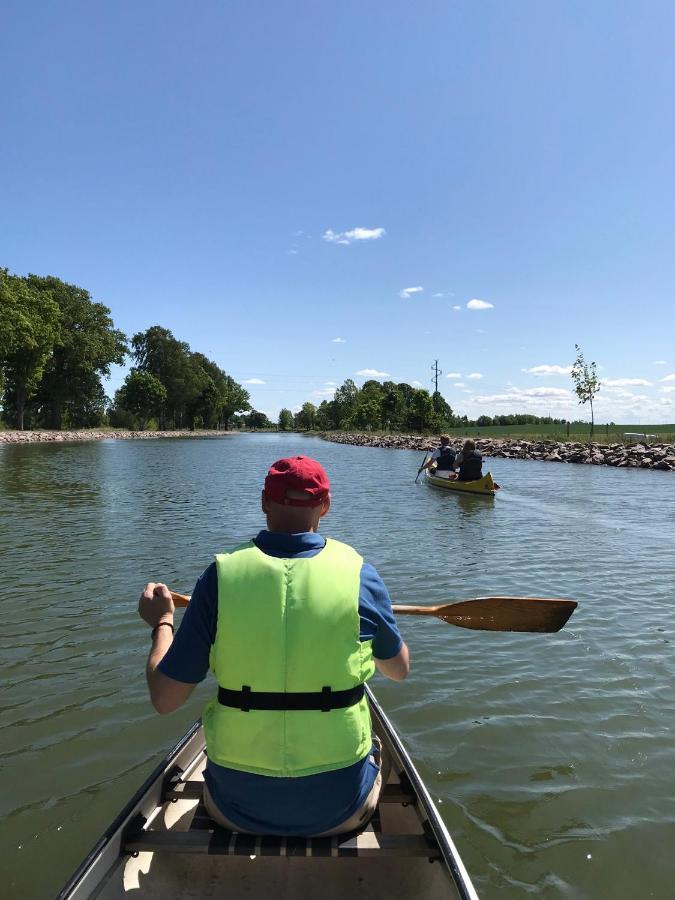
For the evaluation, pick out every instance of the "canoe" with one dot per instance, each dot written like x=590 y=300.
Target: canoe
x=163 y=844
x=484 y=485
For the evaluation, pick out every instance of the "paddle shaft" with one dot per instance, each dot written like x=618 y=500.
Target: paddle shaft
x=419 y=471
x=528 y=614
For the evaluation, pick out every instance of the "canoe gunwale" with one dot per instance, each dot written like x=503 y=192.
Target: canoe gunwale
x=114 y=831
x=441 y=835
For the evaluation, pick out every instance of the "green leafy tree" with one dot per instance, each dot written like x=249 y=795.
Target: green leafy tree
x=220 y=395
x=256 y=419
x=29 y=321
x=345 y=399
x=285 y=420
x=142 y=395
x=367 y=409
x=421 y=413
x=442 y=410
x=85 y=346
x=158 y=352
x=305 y=419
x=586 y=381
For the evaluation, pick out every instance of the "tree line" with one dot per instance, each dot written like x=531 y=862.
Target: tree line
x=387 y=406
x=57 y=343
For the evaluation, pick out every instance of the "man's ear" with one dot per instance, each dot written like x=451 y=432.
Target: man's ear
x=325 y=507
x=263 y=502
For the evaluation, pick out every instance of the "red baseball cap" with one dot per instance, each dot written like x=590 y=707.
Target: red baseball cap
x=297 y=473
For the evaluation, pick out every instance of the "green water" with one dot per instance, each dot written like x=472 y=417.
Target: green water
x=551 y=756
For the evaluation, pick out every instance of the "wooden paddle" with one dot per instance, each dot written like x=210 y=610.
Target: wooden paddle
x=419 y=471
x=534 y=614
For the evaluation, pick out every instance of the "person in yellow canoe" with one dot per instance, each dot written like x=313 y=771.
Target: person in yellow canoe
x=468 y=462
x=442 y=459
x=292 y=626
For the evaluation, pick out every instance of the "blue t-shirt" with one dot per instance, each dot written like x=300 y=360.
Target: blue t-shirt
x=260 y=803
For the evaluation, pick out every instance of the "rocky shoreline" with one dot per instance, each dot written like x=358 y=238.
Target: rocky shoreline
x=50 y=437
x=622 y=456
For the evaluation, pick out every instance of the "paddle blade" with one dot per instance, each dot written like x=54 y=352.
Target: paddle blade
x=179 y=599
x=533 y=614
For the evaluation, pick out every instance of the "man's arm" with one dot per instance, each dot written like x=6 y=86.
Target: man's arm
x=156 y=608
x=432 y=459
x=396 y=668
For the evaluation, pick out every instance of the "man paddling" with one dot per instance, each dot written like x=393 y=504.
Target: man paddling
x=443 y=458
x=292 y=625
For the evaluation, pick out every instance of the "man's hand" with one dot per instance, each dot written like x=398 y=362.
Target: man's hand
x=155 y=604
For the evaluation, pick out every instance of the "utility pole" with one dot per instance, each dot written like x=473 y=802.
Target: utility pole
x=436 y=372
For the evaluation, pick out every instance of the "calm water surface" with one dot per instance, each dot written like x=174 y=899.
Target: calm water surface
x=551 y=757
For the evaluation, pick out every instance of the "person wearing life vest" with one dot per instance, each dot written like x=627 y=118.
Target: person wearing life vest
x=469 y=462
x=442 y=458
x=292 y=625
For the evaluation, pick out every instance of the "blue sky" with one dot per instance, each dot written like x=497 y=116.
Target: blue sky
x=266 y=177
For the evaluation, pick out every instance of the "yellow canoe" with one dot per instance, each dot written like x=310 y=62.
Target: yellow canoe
x=484 y=485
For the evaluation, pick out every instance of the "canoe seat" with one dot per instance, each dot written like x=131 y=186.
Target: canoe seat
x=204 y=836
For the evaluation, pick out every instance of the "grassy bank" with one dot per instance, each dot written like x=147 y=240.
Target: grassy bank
x=603 y=434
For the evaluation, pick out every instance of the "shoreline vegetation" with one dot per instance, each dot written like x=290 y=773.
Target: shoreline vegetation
x=643 y=455
x=103 y=434
x=659 y=456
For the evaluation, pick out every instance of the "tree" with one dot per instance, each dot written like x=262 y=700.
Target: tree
x=142 y=395
x=158 y=352
x=345 y=398
x=305 y=419
x=443 y=411
x=85 y=346
x=285 y=420
x=586 y=381
x=257 y=419
x=421 y=414
x=29 y=321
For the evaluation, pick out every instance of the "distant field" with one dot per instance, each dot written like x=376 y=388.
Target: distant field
x=577 y=432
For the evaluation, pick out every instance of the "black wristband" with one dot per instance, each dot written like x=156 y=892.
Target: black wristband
x=160 y=625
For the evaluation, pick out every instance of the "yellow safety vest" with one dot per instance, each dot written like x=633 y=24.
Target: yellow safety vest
x=289 y=629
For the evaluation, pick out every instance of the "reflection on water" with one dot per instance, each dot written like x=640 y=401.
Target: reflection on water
x=550 y=756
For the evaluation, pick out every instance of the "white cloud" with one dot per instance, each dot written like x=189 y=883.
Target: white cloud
x=356 y=234
x=292 y=252
x=407 y=293
x=338 y=341
x=454 y=375
x=456 y=308
x=659 y=362
x=479 y=304
x=669 y=377
x=439 y=295
x=459 y=384
x=626 y=382
x=480 y=331
x=475 y=376
x=329 y=383
x=548 y=370
x=419 y=384
x=372 y=373
x=323 y=392
x=668 y=390
x=255 y=381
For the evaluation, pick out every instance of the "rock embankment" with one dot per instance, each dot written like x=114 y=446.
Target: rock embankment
x=623 y=456
x=43 y=437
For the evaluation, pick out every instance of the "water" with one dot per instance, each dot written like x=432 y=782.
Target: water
x=551 y=756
